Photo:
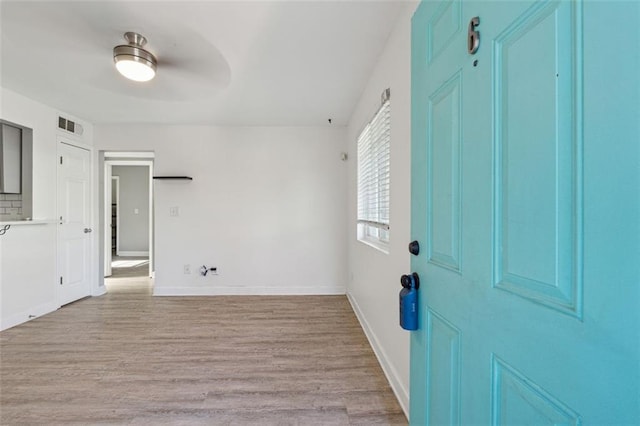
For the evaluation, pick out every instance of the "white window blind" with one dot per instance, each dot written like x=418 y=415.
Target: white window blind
x=373 y=176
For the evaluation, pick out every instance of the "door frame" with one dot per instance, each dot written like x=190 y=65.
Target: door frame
x=115 y=180
x=62 y=140
x=108 y=175
x=108 y=236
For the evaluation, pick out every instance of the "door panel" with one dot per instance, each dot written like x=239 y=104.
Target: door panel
x=443 y=184
x=443 y=360
x=538 y=161
x=517 y=400
x=527 y=282
x=444 y=25
x=74 y=203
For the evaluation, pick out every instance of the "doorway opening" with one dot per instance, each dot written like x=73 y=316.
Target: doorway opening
x=128 y=214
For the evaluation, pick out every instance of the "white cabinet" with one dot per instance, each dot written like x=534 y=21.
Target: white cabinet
x=27 y=271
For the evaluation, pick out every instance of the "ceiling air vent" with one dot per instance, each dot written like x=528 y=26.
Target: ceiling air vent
x=70 y=126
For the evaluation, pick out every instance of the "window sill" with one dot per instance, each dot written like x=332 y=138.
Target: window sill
x=376 y=244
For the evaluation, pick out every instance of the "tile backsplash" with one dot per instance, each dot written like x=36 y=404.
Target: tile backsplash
x=10 y=206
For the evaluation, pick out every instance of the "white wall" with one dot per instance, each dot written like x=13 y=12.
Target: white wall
x=266 y=207
x=42 y=119
x=374 y=277
x=133 y=196
x=28 y=276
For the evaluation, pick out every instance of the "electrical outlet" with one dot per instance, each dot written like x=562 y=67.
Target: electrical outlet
x=174 y=211
x=206 y=270
x=186 y=269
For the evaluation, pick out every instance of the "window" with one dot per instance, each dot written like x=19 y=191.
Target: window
x=373 y=177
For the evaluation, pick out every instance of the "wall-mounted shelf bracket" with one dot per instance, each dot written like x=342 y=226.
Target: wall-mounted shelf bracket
x=173 y=177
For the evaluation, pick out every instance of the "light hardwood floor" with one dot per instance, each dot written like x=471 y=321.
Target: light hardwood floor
x=129 y=358
x=129 y=267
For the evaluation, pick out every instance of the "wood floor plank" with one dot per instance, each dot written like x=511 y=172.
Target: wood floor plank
x=129 y=358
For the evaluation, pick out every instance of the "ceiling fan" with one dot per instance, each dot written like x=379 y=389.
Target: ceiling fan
x=132 y=60
x=180 y=65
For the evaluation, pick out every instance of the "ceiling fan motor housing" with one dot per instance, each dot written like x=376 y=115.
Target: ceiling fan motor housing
x=134 y=51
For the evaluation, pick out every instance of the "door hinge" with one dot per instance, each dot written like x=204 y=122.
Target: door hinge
x=60 y=280
x=61 y=159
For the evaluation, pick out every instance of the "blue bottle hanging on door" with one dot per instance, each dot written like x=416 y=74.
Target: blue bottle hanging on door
x=409 y=301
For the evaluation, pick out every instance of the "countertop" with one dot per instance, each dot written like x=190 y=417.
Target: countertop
x=27 y=222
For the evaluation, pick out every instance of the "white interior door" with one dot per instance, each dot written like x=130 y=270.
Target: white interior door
x=74 y=213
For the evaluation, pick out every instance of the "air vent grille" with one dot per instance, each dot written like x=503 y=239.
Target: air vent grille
x=69 y=126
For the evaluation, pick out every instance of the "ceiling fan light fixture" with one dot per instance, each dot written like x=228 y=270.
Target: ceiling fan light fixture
x=133 y=61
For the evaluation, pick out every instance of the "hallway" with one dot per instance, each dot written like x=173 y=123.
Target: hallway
x=128 y=267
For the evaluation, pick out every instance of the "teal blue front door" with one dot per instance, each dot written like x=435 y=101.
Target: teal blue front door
x=526 y=205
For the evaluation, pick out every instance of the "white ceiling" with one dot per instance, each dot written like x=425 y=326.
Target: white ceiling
x=293 y=63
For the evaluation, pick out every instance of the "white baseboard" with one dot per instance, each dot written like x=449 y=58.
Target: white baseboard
x=132 y=253
x=246 y=291
x=101 y=290
x=28 y=315
x=389 y=370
